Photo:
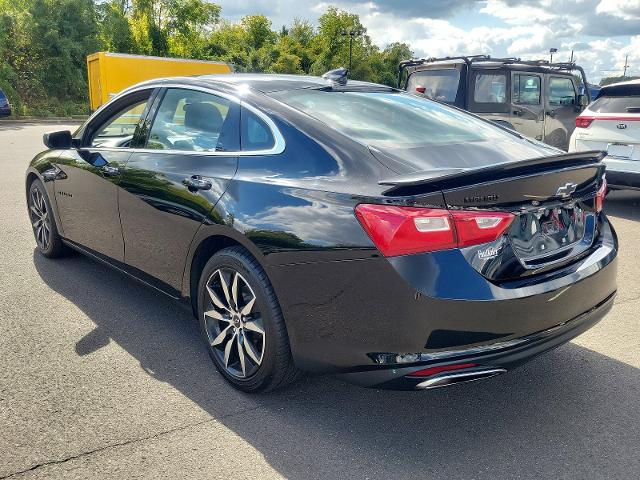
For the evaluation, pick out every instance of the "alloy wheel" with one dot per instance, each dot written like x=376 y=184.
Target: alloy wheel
x=233 y=323
x=40 y=219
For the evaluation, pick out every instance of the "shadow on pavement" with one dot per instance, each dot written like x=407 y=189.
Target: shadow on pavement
x=623 y=204
x=572 y=413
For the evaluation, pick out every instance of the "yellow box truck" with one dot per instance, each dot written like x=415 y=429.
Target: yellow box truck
x=110 y=73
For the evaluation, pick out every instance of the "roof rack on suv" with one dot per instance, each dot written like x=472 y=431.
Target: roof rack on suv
x=469 y=59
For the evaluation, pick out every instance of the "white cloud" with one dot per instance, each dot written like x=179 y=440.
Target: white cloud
x=519 y=14
x=625 y=9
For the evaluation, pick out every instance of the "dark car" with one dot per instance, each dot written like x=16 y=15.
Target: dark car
x=536 y=98
x=324 y=226
x=5 y=106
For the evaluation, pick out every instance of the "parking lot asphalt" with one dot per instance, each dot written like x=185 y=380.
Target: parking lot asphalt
x=102 y=377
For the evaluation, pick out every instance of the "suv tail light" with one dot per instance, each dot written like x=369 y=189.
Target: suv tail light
x=405 y=230
x=420 y=89
x=584 y=122
x=602 y=192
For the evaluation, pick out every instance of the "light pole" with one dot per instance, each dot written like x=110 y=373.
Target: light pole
x=551 y=52
x=351 y=34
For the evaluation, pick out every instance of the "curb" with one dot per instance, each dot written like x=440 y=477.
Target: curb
x=75 y=119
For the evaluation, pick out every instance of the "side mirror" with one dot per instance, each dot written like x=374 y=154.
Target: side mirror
x=58 y=140
x=583 y=101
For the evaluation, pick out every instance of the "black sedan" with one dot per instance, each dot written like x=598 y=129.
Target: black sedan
x=314 y=224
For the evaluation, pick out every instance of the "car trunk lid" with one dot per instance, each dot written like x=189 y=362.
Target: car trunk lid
x=552 y=198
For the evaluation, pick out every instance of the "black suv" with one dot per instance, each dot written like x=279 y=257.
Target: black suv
x=536 y=98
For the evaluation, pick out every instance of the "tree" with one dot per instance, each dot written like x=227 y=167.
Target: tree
x=610 y=80
x=115 y=33
x=189 y=25
x=44 y=44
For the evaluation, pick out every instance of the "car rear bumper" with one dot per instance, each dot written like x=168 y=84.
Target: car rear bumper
x=367 y=318
x=622 y=173
x=496 y=358
x=5 y=111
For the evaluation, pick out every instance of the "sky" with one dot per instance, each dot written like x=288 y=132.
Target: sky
x=601 y=32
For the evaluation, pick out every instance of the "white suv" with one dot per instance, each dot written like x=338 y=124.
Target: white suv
x=612 y=124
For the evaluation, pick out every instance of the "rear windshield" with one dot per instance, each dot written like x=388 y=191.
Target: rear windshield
x=605 y=104
x=440 y=85
x=2 y=95
x=386 y=119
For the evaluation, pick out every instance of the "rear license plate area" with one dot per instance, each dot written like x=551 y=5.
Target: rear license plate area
x=620 y=150
x=542 y=235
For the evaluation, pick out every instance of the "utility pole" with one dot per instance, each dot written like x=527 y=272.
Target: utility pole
x=351 y=34
x=626 y=65
x=571 y=59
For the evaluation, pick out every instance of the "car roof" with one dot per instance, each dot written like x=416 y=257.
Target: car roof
x=628 y=82
x=491 y=65
x=258 y=82
x=266 y=83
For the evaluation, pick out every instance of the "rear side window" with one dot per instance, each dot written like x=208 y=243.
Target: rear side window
x=490 y=88
x=561 y=91
x=440 y=85
x=255 y=133
x=526 y=89
x=189 y=120
x=630 y=104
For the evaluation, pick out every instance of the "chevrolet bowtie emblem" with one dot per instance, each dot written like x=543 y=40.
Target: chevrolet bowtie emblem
x=566 y=190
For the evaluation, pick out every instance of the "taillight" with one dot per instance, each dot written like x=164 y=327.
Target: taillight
x=584 y=122
x=405 y=230
x=420 y=89
x=602 y=192
x=480 y=227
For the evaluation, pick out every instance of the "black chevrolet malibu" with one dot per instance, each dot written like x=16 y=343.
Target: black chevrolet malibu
x=320 y=225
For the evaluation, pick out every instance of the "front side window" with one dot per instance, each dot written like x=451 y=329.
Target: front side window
x=118 y=130
x=440 y=85
x=490 y=88
x=526 y=89
x=189 y=120
x=561 y=91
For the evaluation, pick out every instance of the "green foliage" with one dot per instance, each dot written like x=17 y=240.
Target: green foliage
x=610 y=80
x=44 y=44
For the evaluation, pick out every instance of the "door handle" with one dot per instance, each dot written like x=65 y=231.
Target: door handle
x=551 y=113
x=196 y=182
x=517 y=113
x=109 y=171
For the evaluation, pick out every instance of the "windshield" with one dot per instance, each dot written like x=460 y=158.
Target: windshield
x=385 y=119
x=440 y=85
x=616 y=105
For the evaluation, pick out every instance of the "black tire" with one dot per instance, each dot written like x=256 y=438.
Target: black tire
x=45 y=230
x=276 y=368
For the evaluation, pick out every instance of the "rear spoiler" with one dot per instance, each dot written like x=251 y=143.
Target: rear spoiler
x=443 y=178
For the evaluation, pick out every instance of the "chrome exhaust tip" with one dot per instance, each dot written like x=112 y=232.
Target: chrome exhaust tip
x=452 y=378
